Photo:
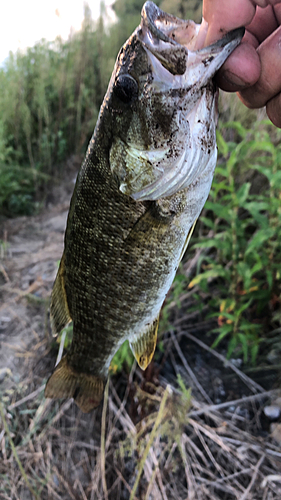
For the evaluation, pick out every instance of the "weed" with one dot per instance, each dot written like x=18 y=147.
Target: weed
x=245 y=257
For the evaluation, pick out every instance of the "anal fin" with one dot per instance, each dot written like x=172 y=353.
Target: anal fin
x=143 y=344
x=86 y=389
x=60 y=315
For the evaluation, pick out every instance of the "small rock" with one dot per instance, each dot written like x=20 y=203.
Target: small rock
x=272 y=412
x=236 y=362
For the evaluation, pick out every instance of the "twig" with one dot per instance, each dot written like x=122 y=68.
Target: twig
x=125 y=483
x=102 y=445
x=245 y=495
x=32 y=395
x=158 y=474
x=269 y=478
x=151 y=439
x=190 y=372
x=248 y=381
x=188 y=474
x=208 y=409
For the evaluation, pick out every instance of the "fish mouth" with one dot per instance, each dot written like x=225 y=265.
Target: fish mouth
x=178 y=98
x=179 y=45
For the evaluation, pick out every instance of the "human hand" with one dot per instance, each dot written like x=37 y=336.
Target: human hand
x=254 y=68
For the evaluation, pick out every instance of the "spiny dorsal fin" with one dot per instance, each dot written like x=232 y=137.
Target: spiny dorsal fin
x=87 y=390
x=143 y=344
x=60 y=315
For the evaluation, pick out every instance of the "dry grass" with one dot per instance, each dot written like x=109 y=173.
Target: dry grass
x=155 y=443
x=150 y=440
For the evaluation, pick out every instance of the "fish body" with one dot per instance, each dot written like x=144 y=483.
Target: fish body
x=144 y=181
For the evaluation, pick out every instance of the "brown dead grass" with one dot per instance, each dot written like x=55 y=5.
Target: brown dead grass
x=150 y=440
x=155 y=443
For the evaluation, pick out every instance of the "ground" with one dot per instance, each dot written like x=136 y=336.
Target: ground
x=215 y=446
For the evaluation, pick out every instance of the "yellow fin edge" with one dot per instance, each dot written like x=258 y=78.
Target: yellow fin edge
x=143 y=346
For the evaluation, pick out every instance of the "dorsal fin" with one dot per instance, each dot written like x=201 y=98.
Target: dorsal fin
x=143 y=343
x=60 y=315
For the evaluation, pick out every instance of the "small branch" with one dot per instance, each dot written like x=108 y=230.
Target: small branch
x=102 y=445
x=158 y=421
x=190 y=372
x=257 y=467
x=247 y=380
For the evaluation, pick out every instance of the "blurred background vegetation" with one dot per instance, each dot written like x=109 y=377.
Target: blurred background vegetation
x=50 y=97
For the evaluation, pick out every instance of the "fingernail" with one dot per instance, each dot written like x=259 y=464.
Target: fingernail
x=233 y=79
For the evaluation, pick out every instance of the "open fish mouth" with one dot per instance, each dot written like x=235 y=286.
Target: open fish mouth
x=180 y=79
x=179 y=45
x=171 y=142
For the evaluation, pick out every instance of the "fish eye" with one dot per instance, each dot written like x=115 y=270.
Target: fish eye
x=125 y=88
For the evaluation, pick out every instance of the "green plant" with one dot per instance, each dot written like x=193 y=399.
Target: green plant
x=123 y=357
x=244 y=258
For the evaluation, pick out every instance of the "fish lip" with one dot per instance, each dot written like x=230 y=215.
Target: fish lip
x=173 y=55
x=151 y=13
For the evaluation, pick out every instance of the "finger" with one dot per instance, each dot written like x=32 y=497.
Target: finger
x=277 y=12
x=273 y=109
x=269 y=83
x=241 y=70
x=264 y=3
x=263 y=24
x=224 y=15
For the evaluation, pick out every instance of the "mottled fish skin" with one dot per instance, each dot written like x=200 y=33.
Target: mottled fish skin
x=144 y=181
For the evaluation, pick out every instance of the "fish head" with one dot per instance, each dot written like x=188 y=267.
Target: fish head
x=163 y=104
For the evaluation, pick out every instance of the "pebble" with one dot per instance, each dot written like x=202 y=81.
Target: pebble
x=272 y=412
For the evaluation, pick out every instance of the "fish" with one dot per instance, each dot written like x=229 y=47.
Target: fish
x=140 y=190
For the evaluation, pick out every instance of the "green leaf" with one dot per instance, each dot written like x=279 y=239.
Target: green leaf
x=243 y=193
x=244 y=343
x=222 y=144
x=259 y=238
x=208 y=222
x=254 y=352
x=225 y=330
x=238 y=127
x=232 y=344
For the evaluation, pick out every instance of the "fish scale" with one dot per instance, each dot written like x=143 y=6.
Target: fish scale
x=144 y=181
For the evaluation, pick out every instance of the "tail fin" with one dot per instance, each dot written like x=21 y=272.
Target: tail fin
x=87 y=390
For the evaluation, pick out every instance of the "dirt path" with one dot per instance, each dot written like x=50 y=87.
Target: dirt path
x=30 y=248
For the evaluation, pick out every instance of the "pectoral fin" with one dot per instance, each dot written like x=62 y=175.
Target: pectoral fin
x=60 y=315
x=143 y=344
x=86 y=389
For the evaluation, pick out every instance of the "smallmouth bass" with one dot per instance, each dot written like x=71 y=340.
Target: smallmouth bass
x=144 y=181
